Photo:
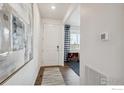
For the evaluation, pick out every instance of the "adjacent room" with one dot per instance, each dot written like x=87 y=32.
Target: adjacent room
x=72 y=41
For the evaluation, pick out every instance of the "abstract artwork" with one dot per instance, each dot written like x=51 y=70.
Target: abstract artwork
x=28 y=44
x=29 y=40
x=18 y=33
x=16 y=42
x=4 y=34
x=7 y=64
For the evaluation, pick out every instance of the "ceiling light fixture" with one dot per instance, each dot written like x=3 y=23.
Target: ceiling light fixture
x=53 y=7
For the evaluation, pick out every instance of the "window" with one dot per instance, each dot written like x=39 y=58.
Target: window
x=74 y=42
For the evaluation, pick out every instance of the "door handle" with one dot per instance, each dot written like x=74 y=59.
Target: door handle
x=57 y=47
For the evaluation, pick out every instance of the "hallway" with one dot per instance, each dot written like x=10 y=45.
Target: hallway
x=57 y=76
x=55 y=45
x=31 y=39
x=36 y=39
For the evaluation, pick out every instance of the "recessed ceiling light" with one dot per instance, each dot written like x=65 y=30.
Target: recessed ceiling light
x=53 y=7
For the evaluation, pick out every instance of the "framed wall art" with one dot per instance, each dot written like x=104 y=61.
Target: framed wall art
x=18 y=33
x=4 y=34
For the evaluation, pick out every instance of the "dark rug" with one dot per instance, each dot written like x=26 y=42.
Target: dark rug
x=75 y=66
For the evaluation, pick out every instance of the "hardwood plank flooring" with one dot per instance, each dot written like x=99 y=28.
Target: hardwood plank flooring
x=39 y=77
x=69 y=76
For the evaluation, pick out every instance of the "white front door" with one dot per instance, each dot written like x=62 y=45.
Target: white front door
x=51 y=43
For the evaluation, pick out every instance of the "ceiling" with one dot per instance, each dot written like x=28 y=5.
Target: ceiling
x=74 y=19
x=58 y=13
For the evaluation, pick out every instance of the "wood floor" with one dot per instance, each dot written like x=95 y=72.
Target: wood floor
x=39 y=77
x=69 y=76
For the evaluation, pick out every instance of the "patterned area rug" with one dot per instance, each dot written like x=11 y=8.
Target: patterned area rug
x=52 y=76
x=75 y=66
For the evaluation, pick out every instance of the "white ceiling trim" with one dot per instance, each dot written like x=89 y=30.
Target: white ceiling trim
x=69 y=12
x=74 y=18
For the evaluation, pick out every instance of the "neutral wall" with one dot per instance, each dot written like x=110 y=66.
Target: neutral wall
x=104 y=57
x=41 y=42
x=27 y=75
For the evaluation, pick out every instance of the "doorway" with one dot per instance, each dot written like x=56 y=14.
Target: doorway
x=72 y=48
x=72 y=41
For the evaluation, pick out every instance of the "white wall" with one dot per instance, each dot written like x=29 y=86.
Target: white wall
x=74 y=17
x=75 y=29
x=41 y=42
x=27 y=75
x=104 y=57
x=61 y=37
